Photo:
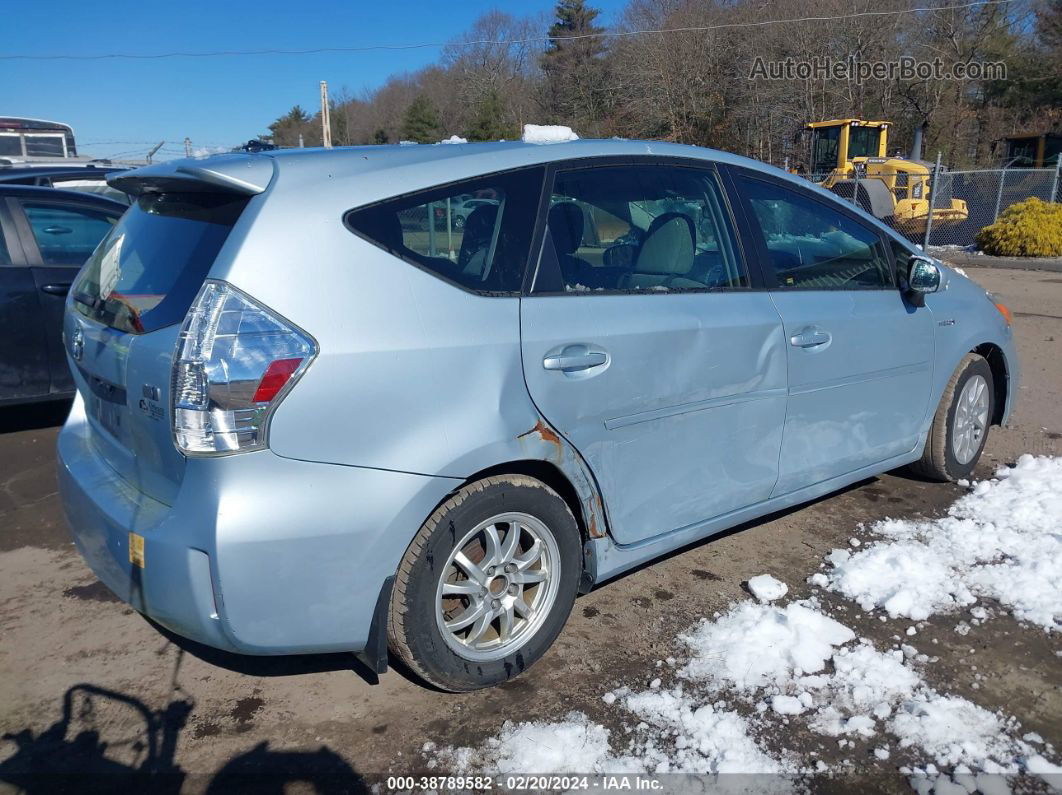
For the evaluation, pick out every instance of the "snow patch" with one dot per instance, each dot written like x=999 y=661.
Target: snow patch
x=676 y=732
x=804 y=663
x=787 y=705
x=756 y=645
x=1001 y=541
x=454 y=139
x=705 y=737
x=573 y=745
x=547 y=134
x=766 y=588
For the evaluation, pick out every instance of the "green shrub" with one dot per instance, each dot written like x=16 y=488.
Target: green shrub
x=1031 y=228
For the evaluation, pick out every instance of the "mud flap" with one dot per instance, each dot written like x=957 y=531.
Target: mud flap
x=374 y=655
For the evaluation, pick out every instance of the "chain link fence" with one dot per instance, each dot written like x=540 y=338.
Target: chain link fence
x=964 y=202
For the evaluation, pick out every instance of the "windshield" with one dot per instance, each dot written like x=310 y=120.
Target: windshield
x=863 y=141
x=146 y=272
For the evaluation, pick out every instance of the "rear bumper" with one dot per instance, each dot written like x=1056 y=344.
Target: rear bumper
x=258 y=554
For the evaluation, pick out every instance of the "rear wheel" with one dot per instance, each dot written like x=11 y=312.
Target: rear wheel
x=960 y=426
x=486 y=585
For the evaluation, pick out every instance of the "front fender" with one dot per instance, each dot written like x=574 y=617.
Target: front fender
x=966 y=320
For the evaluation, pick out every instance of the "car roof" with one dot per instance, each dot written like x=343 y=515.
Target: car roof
x=483 y=158
x=45 y=161
x=73 y=196
x=369 y=173
x=342 y=178
x=52 y=172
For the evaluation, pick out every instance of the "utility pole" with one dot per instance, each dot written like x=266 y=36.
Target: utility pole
x=151 y=154
x=932 y=203
x=187 y=146
x=326 y=122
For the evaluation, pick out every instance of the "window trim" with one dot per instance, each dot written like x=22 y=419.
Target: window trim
x=757 y=242
x=12 y=238
x=713 y=168
x=543 y=178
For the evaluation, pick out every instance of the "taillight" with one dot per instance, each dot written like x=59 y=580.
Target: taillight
x=235 y=360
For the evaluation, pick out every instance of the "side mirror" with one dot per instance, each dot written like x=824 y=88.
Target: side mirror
x=923 y=276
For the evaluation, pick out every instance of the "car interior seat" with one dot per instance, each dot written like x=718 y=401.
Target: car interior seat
x=477 y=240
x=666 y=256
x=566 y=225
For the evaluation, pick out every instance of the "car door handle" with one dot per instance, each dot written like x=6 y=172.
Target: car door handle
x=58 y=230
x=569 y=362
x=60 y=288
x=810 y=338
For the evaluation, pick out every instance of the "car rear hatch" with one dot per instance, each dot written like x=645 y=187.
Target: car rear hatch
x=127 y=304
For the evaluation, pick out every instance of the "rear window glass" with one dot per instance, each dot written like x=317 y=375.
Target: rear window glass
x=145 y=274
x=475 y=234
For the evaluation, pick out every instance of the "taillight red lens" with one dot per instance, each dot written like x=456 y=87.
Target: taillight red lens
x=234 y=358
x=274 y=378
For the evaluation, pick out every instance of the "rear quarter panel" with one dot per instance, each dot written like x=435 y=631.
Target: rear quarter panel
x=413 y=375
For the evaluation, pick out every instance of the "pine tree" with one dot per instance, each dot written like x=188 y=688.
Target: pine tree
x=421 y=122
x=489 y=123
x=574 y=67
x=285 y=130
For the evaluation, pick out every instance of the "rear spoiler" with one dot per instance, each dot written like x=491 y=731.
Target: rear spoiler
x=242 y=174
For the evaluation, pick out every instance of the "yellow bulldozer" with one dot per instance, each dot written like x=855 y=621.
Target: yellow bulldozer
x=852 y=155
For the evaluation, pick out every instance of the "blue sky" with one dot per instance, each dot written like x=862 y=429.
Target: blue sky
x=214 y=101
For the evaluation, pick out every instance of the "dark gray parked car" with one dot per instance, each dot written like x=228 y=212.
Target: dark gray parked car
x=91 y=178
x=45 y=237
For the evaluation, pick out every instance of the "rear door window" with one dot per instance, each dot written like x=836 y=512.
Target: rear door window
x=147 y=271
x=658 y=228
x=67 y=235
x=475 y=234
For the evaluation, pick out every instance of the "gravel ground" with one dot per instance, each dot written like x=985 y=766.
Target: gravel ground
x=88 y=686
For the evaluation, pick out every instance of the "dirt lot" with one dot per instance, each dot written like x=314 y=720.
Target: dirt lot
x=87 y=685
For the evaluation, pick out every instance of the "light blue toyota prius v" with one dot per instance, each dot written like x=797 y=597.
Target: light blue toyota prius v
x=413 y=399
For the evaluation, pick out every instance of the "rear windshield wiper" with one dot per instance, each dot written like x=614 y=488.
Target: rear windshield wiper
x=87 y=300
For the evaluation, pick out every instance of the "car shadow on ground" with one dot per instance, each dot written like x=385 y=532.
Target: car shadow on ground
x=273 y=665
x=34 y=416
x=91 y=748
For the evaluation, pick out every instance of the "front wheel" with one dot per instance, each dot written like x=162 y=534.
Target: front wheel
x=486 y=585
x=960 y=426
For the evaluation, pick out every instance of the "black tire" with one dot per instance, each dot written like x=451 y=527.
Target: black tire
x=414 y=634
x=938 y=460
